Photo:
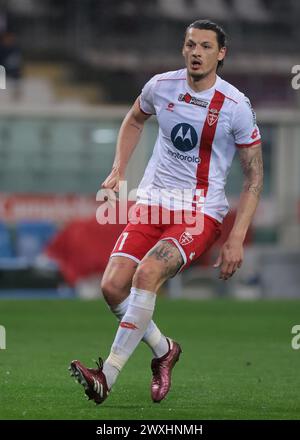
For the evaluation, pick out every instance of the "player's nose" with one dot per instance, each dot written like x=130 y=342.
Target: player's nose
x=197 y=56
x=197 y=51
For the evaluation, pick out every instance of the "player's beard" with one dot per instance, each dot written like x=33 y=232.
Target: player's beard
x=198 y=76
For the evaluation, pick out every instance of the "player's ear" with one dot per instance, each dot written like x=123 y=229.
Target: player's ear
x=183 y=46
x=222 y=53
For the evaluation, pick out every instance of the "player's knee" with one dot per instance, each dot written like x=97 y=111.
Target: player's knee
x=113 y=290
x=147 y=276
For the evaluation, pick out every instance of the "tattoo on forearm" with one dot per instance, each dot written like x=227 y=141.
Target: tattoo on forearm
x=252 y=165
x=135 y=126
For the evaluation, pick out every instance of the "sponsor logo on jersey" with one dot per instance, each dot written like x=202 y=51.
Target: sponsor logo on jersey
x=212 y=116
x=192 y=254
x=192 y=100
x=185 y=238
x=177 y=155
x=184 y=137
x=254 y=133
x=170 y=107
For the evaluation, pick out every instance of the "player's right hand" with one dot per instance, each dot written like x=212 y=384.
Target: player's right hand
x=112 y=181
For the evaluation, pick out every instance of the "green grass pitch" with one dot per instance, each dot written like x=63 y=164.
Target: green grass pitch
x=237 y=361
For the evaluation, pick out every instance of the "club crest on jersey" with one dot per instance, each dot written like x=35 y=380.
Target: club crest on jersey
x=192 y=100
x=212 y=116
x=185 y=238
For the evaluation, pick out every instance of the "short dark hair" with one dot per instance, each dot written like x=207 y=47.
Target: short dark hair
x=211 y=26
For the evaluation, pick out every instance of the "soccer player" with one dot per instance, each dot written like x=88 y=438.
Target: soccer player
x=202 y=121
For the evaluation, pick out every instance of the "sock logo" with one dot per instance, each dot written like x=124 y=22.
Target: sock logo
x=128 y=325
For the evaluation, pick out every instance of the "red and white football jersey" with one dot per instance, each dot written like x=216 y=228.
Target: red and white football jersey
x=197 y=139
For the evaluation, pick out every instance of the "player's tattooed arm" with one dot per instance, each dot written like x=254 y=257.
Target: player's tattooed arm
x=138 y=127
x=231 y=254
x=252 y=165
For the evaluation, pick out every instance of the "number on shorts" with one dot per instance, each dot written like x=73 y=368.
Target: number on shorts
x=125 y=235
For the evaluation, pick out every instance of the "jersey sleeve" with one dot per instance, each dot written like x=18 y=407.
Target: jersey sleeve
x=147 y=97
x=245 y=130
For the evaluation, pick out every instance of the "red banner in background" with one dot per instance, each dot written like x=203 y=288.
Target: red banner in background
x=56 y=208
x=63 y=208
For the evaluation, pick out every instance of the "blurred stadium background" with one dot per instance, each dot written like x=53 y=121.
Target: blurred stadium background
x=73 y=69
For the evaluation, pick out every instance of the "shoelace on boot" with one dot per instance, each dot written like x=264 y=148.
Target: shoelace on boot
x=100 y=364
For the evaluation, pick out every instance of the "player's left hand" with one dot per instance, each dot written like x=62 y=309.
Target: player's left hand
x=230 y=258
